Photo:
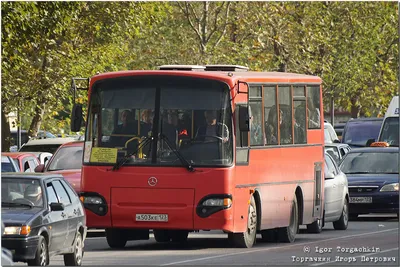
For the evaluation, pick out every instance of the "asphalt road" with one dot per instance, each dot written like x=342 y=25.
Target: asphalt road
x=377 y=238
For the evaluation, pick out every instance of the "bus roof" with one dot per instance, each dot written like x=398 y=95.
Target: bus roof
x=393 y=109
x=230 y=77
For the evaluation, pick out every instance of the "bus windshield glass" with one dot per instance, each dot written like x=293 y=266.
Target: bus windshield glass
x=390 y=131
x=190 y=115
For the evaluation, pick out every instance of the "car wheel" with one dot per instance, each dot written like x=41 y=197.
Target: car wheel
x=288 y=234
x=75 y=258
x=42 y=254
x=248 y=238
x=343 y=221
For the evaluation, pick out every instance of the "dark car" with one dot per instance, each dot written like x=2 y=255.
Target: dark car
x=337 y=151
x=357 y=132
x=43 y=216
x=373 y=175
x=339 y=127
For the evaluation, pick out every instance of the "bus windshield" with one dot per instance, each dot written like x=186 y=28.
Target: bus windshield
x=190 y=115
x=390 y=131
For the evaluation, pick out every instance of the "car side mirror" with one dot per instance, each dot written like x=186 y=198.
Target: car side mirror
x=55 y=206
x=76 y=118
x=39 y=168
x=329 y=175
x=244 y=119
x=336 y=141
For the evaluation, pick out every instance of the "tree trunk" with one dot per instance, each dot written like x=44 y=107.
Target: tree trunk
x=355 y=108
x=37 y=120
x=5 y=133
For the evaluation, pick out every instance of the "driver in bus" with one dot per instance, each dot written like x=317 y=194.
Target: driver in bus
x=128 y=127
x=212 y=129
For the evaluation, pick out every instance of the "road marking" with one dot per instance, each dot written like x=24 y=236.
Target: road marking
x=273 y=248
x=365 y=255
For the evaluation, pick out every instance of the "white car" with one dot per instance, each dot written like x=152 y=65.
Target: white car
x=336 y=195
x=330 y=134
x=336 y=205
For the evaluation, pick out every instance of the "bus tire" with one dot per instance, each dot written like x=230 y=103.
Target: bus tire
x=162 y=236
x=343 y=221
x=288 y=234
x=315 y=227
x=248 y=238
x=179 y=236
x=116 y=238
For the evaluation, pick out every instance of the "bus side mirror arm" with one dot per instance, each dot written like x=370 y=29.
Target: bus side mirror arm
x=244 y=119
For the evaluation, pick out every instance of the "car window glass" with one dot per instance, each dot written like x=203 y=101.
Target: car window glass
x=51 y=194
x=330 y=165
x=70 y=191
x=62 y=194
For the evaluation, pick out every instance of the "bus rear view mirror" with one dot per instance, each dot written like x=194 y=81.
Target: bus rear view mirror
x=76 y=118
x=244 y=119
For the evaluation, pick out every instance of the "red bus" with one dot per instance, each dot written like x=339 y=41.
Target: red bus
x=190 y=148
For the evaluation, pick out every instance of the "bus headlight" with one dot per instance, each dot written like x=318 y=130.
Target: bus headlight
x=213 y=203
x=94 y=202
x=390 y=187
x=91 y=200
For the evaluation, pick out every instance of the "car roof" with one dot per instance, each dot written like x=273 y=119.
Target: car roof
x=18 y=154
x=365 y=119
x=30 y=175
x=375 y=149
x=336 y=144
x=49 y=141
x=74 y=143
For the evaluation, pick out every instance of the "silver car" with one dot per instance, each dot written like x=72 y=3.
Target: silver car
x=336 y=195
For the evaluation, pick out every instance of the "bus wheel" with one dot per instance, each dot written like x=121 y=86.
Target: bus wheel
x=162 y=236
x=248 y=238
x=116 y=238
x=179 y=236
x=288 y=234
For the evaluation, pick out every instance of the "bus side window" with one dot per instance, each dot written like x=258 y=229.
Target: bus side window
x=313 y=106
x=285 y=116
x=256 y=130
x=242 y=141
x=270 y=119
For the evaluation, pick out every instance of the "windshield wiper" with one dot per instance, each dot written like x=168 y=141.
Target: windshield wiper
x=15 y=204
x=127 y=157
x=178 y=154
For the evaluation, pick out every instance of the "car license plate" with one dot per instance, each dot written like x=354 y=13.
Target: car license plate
x=152 y=217
x=360 y=199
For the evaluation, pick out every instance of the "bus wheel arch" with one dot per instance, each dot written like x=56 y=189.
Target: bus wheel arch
x=288 y=234
x=300 y=204
x=257 y=198
x=247 y=238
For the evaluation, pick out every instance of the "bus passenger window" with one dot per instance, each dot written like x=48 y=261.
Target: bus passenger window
x=285 y=115
x=255 y=102
x=313 y=105
x=300 y=122
x=270 y=119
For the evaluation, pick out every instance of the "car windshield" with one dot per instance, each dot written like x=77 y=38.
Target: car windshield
x=390 y=131
x=188 y=114
x=7 y=165
x=370 y=162
x=16 y=192
x=358 y=133
x=66 y=158
x=333 y=152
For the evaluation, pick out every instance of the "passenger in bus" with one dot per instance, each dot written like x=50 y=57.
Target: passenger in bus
x=170 y=127
x=212 y=128
x=285 y=124
x=271 y=129
x=123 y=132
x=314 y=115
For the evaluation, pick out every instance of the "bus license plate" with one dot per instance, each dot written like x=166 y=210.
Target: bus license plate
x=360 y=199
x=152 y=217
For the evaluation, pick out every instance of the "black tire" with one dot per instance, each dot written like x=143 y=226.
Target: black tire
x=343 y=221
x=162 y=236
x=288 y=234
x=248 y=238
x=75 y=258
x=179 y=236
x=41 y=255
x=315 y=227
x=116 y=238
x=269 y=235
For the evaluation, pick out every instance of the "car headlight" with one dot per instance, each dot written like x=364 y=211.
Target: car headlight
x=390 y=187
x=17 y=230
x=217 y=202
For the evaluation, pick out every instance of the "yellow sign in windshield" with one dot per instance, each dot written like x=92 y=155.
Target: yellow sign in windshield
x=104 y=155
